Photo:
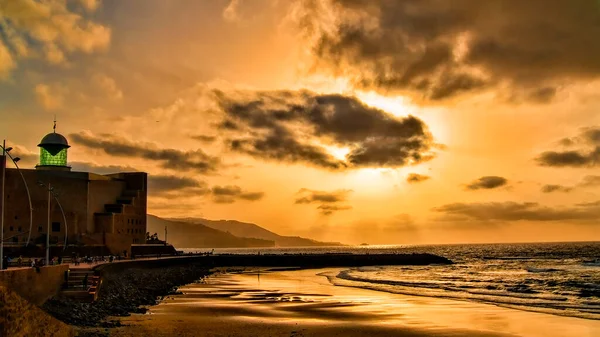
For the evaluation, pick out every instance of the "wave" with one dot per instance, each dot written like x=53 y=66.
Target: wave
x=518 y=296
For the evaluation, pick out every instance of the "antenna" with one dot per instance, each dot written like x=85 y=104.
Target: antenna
x=54 y=128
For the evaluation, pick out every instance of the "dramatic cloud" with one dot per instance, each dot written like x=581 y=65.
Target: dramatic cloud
x=329 y=202
x=513 y=211
x=587 y=181
x=166 y=183
x=204 y=138
x=51 y=97
x=47 y=29
x=330 y=209
x=196 y=160
x=416 y=178
x=487 y=183
x=556 y=188
x=587 y=156
x=437 y=49
x=26 y=157
x=590 y=181
x=296 y=126
x=231 y=194
x=107 y=86
x=100 y=169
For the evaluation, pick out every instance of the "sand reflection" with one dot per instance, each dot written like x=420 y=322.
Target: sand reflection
x=304 y=303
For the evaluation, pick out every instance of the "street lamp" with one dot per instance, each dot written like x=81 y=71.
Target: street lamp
x=55 y=195
x=6 y=152
x=52 y=194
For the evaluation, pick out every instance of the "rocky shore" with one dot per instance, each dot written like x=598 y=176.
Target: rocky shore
x=123 y=293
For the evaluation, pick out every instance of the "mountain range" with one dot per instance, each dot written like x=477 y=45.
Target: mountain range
x=204 y=233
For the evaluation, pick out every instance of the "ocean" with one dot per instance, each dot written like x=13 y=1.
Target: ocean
x=554 y=278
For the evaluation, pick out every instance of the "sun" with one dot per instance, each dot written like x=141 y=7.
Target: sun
x=399 y=106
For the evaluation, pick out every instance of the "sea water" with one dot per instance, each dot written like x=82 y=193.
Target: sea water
x=555 y=278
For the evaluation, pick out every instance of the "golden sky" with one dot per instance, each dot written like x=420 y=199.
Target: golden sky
x=374 y=121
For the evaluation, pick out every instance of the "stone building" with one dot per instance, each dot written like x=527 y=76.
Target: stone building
x=85 y=208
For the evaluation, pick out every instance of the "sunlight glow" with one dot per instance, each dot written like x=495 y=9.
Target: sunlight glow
x=337 y=152
x=400 y=106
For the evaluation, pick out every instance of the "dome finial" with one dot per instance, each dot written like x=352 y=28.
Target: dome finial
x=54 y=127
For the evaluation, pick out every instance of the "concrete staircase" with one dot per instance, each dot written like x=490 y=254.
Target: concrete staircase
x=75 y=289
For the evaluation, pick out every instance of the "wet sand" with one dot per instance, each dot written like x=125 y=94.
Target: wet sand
x=303 y=303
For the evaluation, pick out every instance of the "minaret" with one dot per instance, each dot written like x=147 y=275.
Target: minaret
x=53 y=151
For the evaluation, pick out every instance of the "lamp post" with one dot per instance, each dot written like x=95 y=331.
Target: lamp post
x=6 y=152
x=2 y=203
x=15 y=160
x=48 y=232
x=53 y=194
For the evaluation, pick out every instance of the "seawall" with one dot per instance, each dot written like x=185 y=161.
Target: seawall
x=127 y=285
x=33 y=286
x=280 y=260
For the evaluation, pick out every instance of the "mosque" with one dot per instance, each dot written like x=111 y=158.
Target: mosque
x=77 y=208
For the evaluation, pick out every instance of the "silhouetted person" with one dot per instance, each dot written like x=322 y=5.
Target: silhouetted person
x=85 y=281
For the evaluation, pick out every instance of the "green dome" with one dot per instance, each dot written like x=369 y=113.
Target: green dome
x=53 y=150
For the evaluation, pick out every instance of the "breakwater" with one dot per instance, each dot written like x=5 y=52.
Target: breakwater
x=127 y=285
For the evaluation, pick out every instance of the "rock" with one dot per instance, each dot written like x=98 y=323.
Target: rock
x=123 y=293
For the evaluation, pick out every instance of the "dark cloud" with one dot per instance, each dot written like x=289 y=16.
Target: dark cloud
x=570 y=158
x=195 y=160
x=330 y=209
x=166 y=183
x=204 y=138
x=306 y=196
x=231 y=193
x=588 y=155
x=416 y=178
x=513 y=211
x=590 y=181
x=587 y=181
x=437 y=49
x=295 y=126
x=487 y=183
x=556 y=188
x=543 y=95
x=100 y=169
x=329 y=202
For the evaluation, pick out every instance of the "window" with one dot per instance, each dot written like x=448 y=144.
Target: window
x=11 y=228
x=56 y=226
x=40 y=228
x=15 y=239
x=16 y=217
x=20 y=229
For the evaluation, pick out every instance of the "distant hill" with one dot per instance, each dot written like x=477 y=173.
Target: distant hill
x=250 y=230
x=190 y=235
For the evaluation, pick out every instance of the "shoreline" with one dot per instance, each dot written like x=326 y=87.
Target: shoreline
x=129 y=285
x=302 y=303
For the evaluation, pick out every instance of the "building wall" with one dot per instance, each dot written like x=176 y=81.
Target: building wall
x=33 y=286
x=69 y=190
x=93 y=204
x=100 y=193
x=132 y=221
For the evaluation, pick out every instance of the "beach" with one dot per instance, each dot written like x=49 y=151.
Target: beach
x=305 y=303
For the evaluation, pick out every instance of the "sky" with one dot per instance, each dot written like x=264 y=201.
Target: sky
x=376 y=121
